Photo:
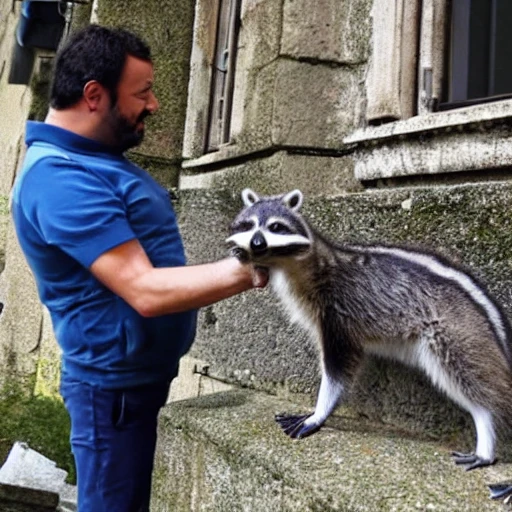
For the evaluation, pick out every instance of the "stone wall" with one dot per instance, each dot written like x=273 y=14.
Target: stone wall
x=248 y=339
x=304 y=66
x=29 y=356
x=300 y=106
x=299 y=122
x=23 y=499
x=28 y=350
x=21 y=317
x=167 y=27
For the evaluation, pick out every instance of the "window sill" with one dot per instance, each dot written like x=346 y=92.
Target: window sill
x=469 y=138
x=225 y=152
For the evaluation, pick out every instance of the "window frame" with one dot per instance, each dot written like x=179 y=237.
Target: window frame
x=457 y=70
x=429 y=141
x=218 y=128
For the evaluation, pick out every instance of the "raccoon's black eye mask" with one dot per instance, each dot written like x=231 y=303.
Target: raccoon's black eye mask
x=246 y=225
x=279 y=228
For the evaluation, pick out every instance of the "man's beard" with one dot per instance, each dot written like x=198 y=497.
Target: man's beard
x=126 y=134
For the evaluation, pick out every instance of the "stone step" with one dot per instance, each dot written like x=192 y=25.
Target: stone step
x=29 y=475
x=14 y=498
x=224 y=452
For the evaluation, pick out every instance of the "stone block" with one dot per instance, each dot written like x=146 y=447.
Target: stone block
x=315 y=105
x=297 y=104
x=171 y=47
x=254 y=123
x=260 y=33
x=258 y=48
x=427 y=155
x=15 y=498
x=224 y=453
x=279 y=172
x=328 y=31
x=21 y=317
x=252 y=342
x=39 y=475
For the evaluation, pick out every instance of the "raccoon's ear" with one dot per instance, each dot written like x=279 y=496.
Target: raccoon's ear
x=249 y=197
x=293 y=200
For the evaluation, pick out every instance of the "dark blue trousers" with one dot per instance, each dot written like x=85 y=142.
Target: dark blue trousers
x=113 y=438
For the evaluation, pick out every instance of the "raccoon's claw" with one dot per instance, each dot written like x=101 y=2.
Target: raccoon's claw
x=294 y=425
x=473 y=460
x=240 y=254
x=501 y=490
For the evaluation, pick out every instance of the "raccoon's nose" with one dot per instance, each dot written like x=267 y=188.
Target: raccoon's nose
x=258 y=243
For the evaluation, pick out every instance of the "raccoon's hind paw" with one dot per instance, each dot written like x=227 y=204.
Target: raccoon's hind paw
x=473 y=460
x=295 y=426
x=501 y=490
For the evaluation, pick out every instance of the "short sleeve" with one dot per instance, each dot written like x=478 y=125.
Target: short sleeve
x=74 y=209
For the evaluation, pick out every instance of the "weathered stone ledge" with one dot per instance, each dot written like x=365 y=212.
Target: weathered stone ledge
x=23 y=499
x=224 y=452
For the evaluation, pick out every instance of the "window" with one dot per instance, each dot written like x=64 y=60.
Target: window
x=479 y=52
x=223 y=73
x=439 y=55
x=430 y=58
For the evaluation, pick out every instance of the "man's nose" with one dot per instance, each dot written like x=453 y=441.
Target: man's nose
x=152 y=104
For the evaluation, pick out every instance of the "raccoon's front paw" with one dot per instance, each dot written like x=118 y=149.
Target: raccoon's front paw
x=295 y=426
x=241 y=254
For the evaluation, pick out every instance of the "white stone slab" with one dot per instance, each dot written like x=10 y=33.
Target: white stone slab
x=25 y=467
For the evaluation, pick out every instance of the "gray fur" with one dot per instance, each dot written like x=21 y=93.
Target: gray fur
x=395 y=302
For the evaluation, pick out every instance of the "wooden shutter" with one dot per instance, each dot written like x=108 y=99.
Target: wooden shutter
x=392 y=71
x=223 y=75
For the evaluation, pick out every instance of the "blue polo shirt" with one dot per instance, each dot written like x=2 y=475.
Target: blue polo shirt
x=73 y=200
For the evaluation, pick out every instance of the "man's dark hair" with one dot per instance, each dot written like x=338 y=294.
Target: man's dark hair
x=94 y=53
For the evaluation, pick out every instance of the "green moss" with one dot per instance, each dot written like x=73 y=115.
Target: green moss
x=40 y=86
x=167 y=26
x=164 y=170
x=81 y=16
x=227 y=201
x=47 y=378
x=41 y=422
x=454 y=219
x=4 y=205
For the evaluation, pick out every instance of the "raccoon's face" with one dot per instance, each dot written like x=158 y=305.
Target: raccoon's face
x=269 y=228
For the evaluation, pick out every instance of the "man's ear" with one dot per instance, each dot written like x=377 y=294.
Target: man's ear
x=94 y=94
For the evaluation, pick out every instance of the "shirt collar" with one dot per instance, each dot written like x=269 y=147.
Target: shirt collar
x=42 y=132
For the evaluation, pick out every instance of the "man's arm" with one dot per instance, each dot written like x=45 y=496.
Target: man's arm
x=151 y=291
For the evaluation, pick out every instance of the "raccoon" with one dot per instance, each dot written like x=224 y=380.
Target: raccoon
x=395 y=302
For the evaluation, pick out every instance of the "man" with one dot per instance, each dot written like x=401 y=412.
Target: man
x=101 y=239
